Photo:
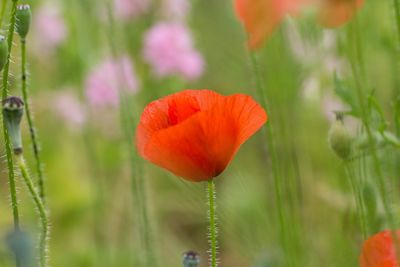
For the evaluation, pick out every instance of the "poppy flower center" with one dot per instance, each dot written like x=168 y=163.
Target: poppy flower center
x=182 y=109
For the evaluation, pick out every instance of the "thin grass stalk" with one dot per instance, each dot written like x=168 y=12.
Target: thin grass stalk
x=396 y=8
x=357 y=66
x=138 y=183
x=3 y=9
x=396 y=19
x=138 y=186
x=32 y=129
x=44 y=234
x=357 y=193
x=212 y=223
x=274 y=159
x=10 y=164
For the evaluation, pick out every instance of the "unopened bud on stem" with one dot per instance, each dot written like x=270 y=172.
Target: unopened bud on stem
x=13 y=109
x=340 y=140
x=191 y=259
x=23 y=17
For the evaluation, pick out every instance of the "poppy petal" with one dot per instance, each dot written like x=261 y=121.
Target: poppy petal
x=260 y=18
x=200 y=146
x=335 y=13
x=379 y=251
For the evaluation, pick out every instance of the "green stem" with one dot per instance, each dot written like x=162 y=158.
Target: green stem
x=357 y=193
x=273 y=153
x=212 y=223
x=138 y=185
x=357 y=66
x=10 y=164
x=2 y=11
x=10 y=38
x=32 y=130
x=43 y=249
x=139 y=191
x=396 y=9
x=396 y=4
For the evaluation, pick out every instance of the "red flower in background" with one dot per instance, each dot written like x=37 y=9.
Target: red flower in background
x=379 y=251
x=335 y=13
x=196 y=133
x=261 y=17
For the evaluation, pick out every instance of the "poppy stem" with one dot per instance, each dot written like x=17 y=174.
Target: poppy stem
x=10 y=164
x=43 y=249
x=212 y=220
x=29 y=117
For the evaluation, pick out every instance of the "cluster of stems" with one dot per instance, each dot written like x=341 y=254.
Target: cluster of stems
x=12 y=107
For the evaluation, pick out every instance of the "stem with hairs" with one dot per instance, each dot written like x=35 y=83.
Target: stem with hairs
x=10 y=164
x=212 y=222
x=32 y=129
x=43 y=249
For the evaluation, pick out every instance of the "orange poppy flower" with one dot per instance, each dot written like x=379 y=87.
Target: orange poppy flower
x=260 y=18
x=379 y=251
x=335 y=13
x=195 y=133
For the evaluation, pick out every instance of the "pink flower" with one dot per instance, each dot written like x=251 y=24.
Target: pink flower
x=126 y=9
x=69 y=109
x=49 y=27
x=168 y=48
x=105 y=80
x=175 y=9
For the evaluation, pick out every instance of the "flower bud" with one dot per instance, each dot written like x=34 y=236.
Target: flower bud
x=340 y=140
x=13 y=109
x=21 y=245
x=3 y=51
x=191 y=259
x=23 y=17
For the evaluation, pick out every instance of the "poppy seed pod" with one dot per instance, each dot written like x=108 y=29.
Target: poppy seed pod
x=3 y=51
x=13 y=109
x=24 y=17
x=340 y=140
x=191 y=259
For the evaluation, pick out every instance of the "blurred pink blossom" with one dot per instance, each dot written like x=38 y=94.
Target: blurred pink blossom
x=49 y=27
x=69 y=109
x=126 y=9
x=168 y=48
x=175 y=9
x=104 y=81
